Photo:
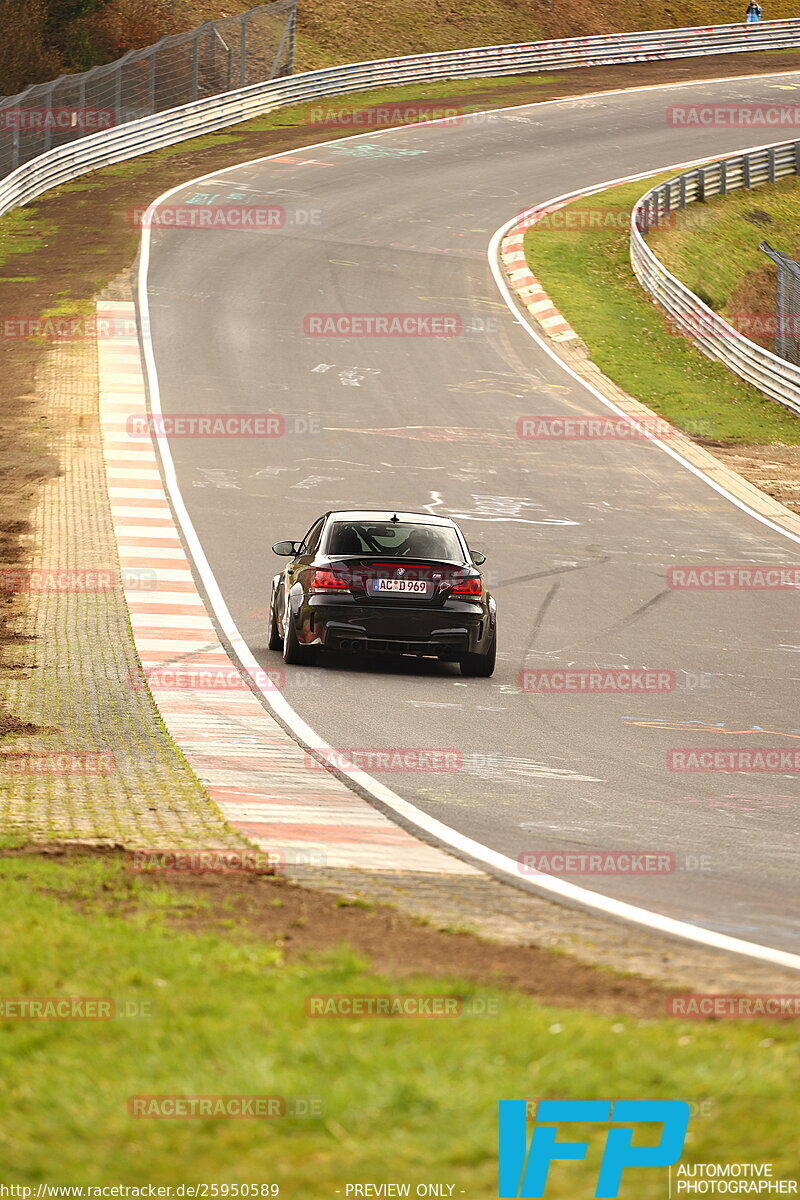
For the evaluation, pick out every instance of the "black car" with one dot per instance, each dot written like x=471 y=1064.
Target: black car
x=393 y=582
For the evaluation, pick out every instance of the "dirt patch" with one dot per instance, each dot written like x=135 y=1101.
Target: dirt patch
x=774 y=468
x=304 y=922
x=88 y=239
x=756 y=294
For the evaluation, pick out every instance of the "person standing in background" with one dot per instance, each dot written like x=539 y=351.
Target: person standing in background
x=753 y=14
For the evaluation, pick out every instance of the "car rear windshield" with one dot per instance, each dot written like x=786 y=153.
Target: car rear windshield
x=395 y=539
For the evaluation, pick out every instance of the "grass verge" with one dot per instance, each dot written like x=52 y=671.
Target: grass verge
x=585 y=268
x=718 y=257
x=229 y=1017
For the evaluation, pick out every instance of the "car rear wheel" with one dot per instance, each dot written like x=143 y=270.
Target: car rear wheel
x=480 y=666
x=294 y=652
x=274 y=639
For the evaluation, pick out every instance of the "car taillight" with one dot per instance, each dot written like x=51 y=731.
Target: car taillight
x=328 y=581
x=472 y=589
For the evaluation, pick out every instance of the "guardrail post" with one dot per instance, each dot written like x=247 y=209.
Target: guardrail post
x=723 y=177
x=701 y=184
x=797 y=158
x=771 y=164
x=682 y=190
x=746 y=170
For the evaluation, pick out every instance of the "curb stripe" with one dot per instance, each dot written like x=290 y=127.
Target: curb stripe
x=253 y=769
x=529 y=290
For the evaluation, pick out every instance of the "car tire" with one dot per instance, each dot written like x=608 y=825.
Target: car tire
x=274 y=639
x=294 y=652
x=480 y=666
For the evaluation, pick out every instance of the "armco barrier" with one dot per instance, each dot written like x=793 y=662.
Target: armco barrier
x=216 y=112
x=774 y=376
x=235 y=51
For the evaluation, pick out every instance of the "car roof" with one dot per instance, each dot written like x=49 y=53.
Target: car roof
x=385 y=515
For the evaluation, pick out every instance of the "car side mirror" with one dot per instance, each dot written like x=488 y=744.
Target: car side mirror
x=286 y=549
x=477 y=557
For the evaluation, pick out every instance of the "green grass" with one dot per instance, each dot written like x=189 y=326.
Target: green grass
x=407 y=1100
x=713 y=248
x=432 y=93
x=338 y=31
x=21 y=232
x=587 y=273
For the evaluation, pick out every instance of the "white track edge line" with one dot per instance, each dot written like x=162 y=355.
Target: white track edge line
x=502 y=285
x=461 y=845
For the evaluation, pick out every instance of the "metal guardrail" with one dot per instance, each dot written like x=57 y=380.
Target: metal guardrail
x=772 y=375
x=234 y=51
x=136 y=137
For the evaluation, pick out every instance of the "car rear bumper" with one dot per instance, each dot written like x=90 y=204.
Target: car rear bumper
x=444 y=633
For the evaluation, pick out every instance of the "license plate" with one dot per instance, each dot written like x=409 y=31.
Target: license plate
x=415 y=587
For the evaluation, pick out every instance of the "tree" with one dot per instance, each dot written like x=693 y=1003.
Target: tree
x=25 y=56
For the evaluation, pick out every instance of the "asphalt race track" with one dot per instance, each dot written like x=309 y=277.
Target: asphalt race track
x=579 y=534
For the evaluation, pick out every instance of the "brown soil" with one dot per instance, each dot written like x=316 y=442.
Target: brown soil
x=756 y=294
x=774 y=468
x=305 y=921
x=91 y=242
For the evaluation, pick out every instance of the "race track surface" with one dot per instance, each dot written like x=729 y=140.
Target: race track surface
x=579 y=534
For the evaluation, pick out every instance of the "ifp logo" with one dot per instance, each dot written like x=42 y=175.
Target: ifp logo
x=524 y=1168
